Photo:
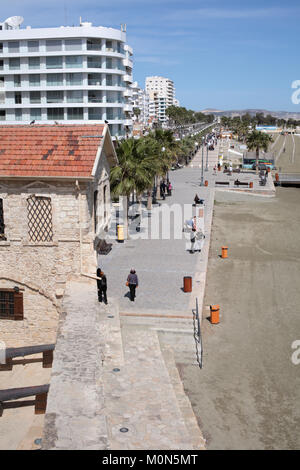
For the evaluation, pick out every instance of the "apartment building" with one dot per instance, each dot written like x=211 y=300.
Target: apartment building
x=140 y=100
x=71 y=75
x=161 y=93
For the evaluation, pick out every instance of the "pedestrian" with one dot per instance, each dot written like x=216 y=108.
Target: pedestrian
x=132 y=283
x=162 y=191
x=170 y=189
x=193 y=240
x=196 y=199
x=215 y=170
x=102 y=286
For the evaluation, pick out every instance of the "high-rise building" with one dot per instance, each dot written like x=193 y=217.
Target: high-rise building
x=140 y=101
x=161 y=95
x=79 y=74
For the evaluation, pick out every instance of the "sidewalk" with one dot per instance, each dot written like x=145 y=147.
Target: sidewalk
x=161 y=264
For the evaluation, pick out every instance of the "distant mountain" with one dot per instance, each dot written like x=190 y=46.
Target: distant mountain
x=252 y=112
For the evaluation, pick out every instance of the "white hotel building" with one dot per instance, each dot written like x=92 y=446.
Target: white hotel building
x=161 y=93
x=71 y=75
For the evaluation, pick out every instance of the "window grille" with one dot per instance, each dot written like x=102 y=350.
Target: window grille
x=39 y=214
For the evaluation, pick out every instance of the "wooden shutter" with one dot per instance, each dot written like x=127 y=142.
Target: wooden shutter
x=18 y=307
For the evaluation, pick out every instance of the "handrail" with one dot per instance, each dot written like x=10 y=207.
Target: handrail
x=28 y=350
x=197 y=335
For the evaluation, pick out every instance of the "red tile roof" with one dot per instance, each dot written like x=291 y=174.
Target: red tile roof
x=49 y=150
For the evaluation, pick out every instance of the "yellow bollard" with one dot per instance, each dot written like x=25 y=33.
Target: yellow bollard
x=120 y=229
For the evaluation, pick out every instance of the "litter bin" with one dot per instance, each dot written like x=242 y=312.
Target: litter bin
x=224 y=251
x=120 y=235
x=187 y=284
x=215 y=314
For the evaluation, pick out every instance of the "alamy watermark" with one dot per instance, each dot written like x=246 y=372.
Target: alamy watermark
x=295 y=358
x=296 y=94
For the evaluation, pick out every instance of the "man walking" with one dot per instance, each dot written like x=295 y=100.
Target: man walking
x=132 y=283
x=102 y=286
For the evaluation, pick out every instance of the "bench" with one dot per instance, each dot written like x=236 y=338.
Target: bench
x=39 y=391
x=223 y=182
x=241 y=183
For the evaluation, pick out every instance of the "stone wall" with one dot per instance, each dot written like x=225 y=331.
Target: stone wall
x=43 y=268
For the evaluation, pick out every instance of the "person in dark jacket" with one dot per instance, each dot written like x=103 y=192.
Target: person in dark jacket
x=102 y=286
x=133 y=282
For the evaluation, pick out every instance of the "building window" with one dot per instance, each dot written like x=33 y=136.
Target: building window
x=2 y=224
x=33 y=46
x=55 y=113
x=39 y=216
x=93 y=44
x=73 y=44
x=75 y=96
x=54 y=62
x=109 y=63
x=95 y=114
x=95 y=79
x=55 y=96
x=104 y=203
x=13 y=46
x=109 y=80
x=74 y=79
x=35 y=97
x=33 y=62
x=55 y=79
x=18 y=114
x=53 y=45
x=18 y=97
x=36 y=114
x=94 y=63
x=1 y=47
x=14 y=63
x=95 y=96
x=11 y=304
x=75 y=113
x=109 y=46
x=2 y=115
x=74 y=62
x=95 y=210
x=34 y=80
x=1 y=63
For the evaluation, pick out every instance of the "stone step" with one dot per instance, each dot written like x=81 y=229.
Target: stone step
x=140 y=397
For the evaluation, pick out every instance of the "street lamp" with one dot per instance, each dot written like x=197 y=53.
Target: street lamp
x=206 y=167
x=201 y=182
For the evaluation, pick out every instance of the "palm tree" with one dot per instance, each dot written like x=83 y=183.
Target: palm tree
x=134 y=172
x=256 y=141
x=167 y=148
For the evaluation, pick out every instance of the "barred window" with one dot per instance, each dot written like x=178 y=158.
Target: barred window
x=11 y=304
x=2 y=225
x=39 y=215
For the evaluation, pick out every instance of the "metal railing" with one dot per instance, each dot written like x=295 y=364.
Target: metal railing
x=197 y=335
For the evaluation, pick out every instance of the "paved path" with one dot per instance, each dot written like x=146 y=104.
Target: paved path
x=160 y=263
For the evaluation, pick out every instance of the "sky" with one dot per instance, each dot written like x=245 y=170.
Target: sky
x=221 y=54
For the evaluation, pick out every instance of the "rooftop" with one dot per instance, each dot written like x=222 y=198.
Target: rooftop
x=49 y=150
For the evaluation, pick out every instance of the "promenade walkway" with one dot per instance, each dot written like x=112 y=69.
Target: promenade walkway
x=161 y=264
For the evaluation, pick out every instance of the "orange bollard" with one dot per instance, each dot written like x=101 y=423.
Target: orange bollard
x=215 y=314
x=251 y=184
x=187 y=284
x=276 y=177
x=201 y=213
x=205 y=183
x=224 y=251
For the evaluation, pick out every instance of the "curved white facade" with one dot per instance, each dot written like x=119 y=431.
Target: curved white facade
x=68 y=75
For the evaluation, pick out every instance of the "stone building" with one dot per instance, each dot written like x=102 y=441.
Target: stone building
x=54 y=211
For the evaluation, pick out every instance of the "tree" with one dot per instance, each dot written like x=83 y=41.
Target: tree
x=135 y=170
x=256 y=141
x=136 y=112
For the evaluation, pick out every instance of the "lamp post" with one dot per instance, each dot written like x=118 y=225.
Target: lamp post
x=201 y=182
x=206 y=167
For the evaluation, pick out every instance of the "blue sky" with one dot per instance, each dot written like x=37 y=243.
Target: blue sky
x=223 y=54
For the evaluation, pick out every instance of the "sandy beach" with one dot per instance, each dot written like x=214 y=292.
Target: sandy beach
x=247 y=394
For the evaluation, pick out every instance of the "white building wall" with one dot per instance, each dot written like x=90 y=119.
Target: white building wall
x=67 y=74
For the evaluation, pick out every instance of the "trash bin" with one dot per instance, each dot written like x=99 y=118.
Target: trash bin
x=187 y=284
x=120 y=234
x=224 y=251
x=215 y=314
x=251 y=184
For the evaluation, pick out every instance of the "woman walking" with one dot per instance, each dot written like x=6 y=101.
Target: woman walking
x=132 y=283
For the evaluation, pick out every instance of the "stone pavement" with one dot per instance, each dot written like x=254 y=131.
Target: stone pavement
x=108 y=378
x=161 y=264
